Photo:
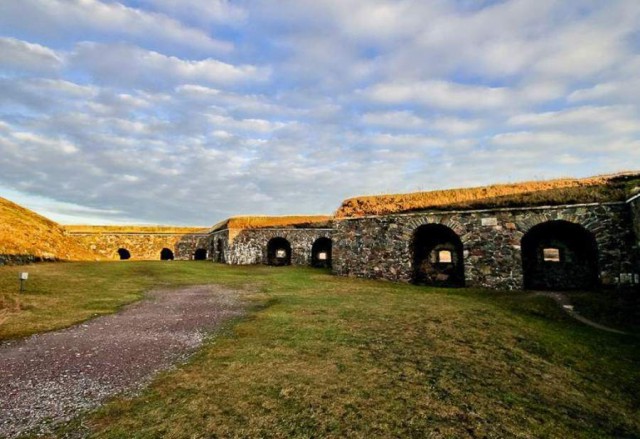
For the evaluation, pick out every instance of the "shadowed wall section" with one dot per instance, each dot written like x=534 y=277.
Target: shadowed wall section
x=559 y=255
x=437 y=256
x=142 y=243
x=634 y=203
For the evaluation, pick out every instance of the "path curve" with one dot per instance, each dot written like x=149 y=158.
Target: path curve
x=563 y=301
x=51 y=377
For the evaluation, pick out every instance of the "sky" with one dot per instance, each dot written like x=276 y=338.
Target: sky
x=186 y=112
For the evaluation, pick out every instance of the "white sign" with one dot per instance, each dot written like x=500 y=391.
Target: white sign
x=281 y=253
x=489 y=222
x=322 y=256
x=24 y=276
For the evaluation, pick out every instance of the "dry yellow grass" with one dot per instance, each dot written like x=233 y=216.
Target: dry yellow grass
x=24 y=232
x=257 y=222
x=560 y=191
x=134 y=229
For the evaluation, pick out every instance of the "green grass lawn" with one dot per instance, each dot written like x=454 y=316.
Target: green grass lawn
x=324 y=356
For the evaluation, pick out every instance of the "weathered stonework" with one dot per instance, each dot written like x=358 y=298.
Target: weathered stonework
x=142 y=246
x=249 y=246
x=380 y=246
x=634 y=204
x=24 y=259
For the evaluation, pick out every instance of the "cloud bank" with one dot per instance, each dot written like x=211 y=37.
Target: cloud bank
x=185 y=112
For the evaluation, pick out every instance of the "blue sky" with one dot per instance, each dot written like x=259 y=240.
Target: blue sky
x=189 y=111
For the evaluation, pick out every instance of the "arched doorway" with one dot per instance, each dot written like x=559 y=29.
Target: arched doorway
x=200 y=254
x=321 y=253
x=437 y=256
x=559 y=255
x=166 y=255
x=124 y=254
x=278 y=252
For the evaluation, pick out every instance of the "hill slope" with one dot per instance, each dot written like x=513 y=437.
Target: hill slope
x=24 y=232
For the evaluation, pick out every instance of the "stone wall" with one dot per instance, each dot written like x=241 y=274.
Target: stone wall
x=380 y=246
x=250 y=246
x=219 y=245
x=142 y=246
x=634 y=204
x=24 y=259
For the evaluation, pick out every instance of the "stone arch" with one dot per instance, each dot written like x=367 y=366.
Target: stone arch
x=443 y=220
x=278 y=252
x=166 y=254
x=124 y=254
x=200 y=254
x=437 y=253
x=321 y=253
x=559 y=255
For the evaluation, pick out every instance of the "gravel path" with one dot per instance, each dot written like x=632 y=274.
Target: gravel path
x=51 y=377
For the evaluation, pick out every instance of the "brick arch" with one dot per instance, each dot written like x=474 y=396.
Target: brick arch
x=445 y=220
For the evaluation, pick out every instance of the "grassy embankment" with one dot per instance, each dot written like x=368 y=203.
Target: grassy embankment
x=24 y=232
x=323 y=356
x=606 y=188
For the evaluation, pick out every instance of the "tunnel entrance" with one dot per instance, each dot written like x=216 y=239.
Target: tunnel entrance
x=200 y=254
x=124 y=254
x=321 y=253
x=559 y=255
x=437 y=256
x=278 y=252
x=166 y=255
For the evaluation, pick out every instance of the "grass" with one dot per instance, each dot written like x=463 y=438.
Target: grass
x=62 y=294
x=92 y=229
x=617 y=187
x=256 y=222
x=324 y=356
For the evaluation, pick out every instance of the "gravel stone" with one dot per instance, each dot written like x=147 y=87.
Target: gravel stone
x=51 y=377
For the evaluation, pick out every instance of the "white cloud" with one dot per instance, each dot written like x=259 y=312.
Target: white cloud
x=129 y=65
x=57 y=18
x=203 y=12
x=608 y=119
x=440 y=94
x=23 y=56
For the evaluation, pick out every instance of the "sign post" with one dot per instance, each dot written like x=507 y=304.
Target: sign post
x=23 y=278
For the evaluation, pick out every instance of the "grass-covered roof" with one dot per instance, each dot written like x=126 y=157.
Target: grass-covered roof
x=605 y=188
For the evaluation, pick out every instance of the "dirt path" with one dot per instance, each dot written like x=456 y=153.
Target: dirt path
x=51 y=377
x=566 y=305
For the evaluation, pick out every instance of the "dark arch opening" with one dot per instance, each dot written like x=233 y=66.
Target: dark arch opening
x=220 y=251
x=124 y=254
x=200 y=254
x=278 y=252
x=166 y=255
x=437 y=256
x=321 y=253
x=559 y=255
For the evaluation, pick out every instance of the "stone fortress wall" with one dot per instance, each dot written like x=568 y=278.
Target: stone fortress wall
x=381 y=247
x=251 y=246
x=570 y=246
x=142 y=243
x=634 y=204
